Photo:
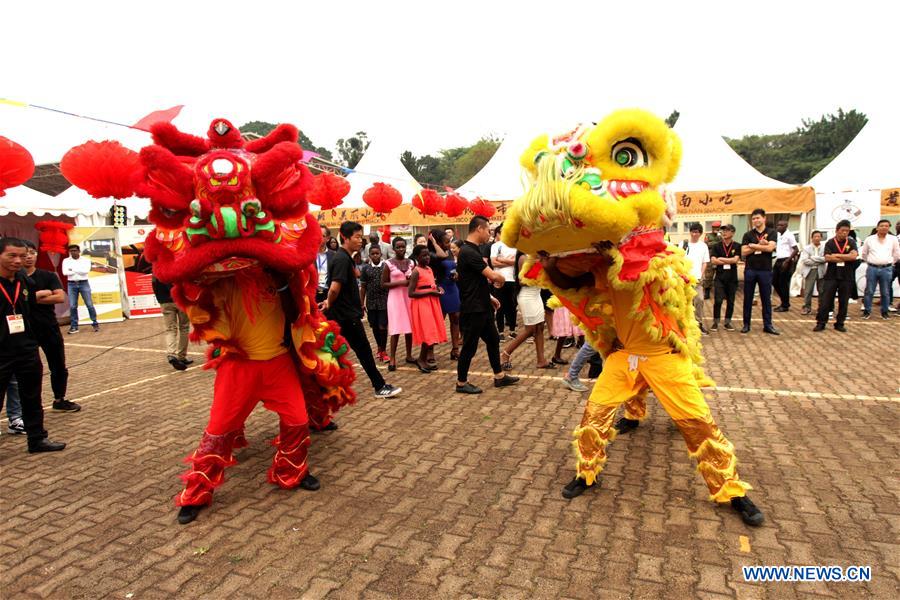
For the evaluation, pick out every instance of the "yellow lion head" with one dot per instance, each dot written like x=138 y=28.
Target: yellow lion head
x=594 y=184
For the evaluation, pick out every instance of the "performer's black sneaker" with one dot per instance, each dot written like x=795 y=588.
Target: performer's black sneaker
x=574 y=488
x=819 y=327
x=624 y=425
x=840 y=328
x=749 y=513
x=177 y=364
x=745 y=329
x=189 y=513
x=66 y=405
x=309 y=483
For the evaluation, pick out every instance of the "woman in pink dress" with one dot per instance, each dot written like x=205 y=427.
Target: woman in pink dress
x=563 y=329
x=396 y=279
x=425 y=311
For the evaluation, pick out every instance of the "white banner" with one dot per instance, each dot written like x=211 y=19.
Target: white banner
x=860 y=208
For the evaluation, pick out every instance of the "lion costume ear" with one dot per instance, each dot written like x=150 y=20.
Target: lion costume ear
x=540 y=144
x=183 y=144
x=281 y=181
x=282 y=133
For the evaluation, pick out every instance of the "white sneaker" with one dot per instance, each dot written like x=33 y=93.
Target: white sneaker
x=852 y=301
x=16 y=427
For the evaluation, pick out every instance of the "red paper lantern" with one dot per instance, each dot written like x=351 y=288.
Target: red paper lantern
x=103 y=169
x=429 y=202
x=383 y=198
x=454 y=204
x=328 y=190
x=16 y=165
x=386 y=234
x=53 y=237
x=482 y=207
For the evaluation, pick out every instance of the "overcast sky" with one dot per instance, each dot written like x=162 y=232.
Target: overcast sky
x=440 y=74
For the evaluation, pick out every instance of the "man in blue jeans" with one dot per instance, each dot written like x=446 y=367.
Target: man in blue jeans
x=756 y=249
x=880 y=252
x=77 y=268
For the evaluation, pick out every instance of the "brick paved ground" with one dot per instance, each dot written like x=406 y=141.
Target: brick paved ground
x=433 y=494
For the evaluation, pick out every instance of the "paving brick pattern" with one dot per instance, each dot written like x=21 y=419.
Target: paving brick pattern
x=438 y=495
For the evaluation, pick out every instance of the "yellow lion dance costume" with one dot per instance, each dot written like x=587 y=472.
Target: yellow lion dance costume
x=590 y=224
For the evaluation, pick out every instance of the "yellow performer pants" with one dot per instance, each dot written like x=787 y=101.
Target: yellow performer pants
x=625 y=378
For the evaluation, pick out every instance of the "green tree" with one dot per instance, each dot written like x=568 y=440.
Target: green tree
x=263 y=128
x=451 y=166
x=796 y=156
x=351 y=149
x=471 y=161
x=673 y=118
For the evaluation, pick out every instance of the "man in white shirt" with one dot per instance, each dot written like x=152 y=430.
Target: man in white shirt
x=812 y=269
x=786 y=254
x=698 y=254
x=503 y=260
x=880 y=252
x=76 y=269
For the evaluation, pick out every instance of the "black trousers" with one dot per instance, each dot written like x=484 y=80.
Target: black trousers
x=507 y=313
x=764 y=279
x=355 y=334
x=830 y=288
x=781 y=280
x=51 y=343
x=378 y=321
x=28 y=371
x=474 y=327
x=725 y=290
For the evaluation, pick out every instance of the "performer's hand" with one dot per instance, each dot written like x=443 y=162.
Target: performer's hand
x=495 y=303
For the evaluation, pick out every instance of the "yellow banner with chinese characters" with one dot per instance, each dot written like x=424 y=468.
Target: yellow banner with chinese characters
x=404 y=214
x=742 y=202
x=890 y=201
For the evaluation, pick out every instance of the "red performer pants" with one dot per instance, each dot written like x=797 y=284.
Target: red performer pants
x=240 y=385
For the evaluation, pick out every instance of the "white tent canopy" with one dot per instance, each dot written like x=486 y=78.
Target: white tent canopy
x=380 y=163
x=870 y=162
x=709 y=163
x=501 y=177
x=22 y=201
x=49 y=135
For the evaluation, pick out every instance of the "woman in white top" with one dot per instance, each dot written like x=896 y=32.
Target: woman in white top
x=503 y=260
x=533 y=315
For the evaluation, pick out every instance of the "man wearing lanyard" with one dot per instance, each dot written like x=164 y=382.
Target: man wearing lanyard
x=756 y=249
x=725 y=257
x=322 y=260
x=840 y=253
x=19 y=355
x=880 y=252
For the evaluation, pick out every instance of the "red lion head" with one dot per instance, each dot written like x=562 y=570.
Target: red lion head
x=219 y=203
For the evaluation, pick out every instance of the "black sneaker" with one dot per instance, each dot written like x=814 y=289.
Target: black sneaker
x=728 y=326
x=16 y=427
x=771 y=331
x=187 y=361
x=388 y=391
x=840 y=328
x=468 y=388
x=96 y=327
x=885 y=316
x=624 y=425
x=505 y=381
x=749 y=513
x=866 y=314
x=189 y=513
x=72 y=330
x=66 y=406
x=703 y=329
x=575 y=488
x=819 y=327
x=309 y=483
x=745 y=329
x=177 y=364
x=714 y=326
x=44 y=445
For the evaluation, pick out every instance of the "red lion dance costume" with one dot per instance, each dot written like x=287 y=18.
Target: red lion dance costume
x=234 y=236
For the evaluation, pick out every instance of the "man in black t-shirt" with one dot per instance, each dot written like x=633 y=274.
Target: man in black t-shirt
x=477 y=306
x=19 y=355
x=343 y=305
x=840 y=258
x=725 y=255
x=756 y=249
x=46 y=328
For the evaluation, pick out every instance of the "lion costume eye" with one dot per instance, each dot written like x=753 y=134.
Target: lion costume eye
x=630 y=154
